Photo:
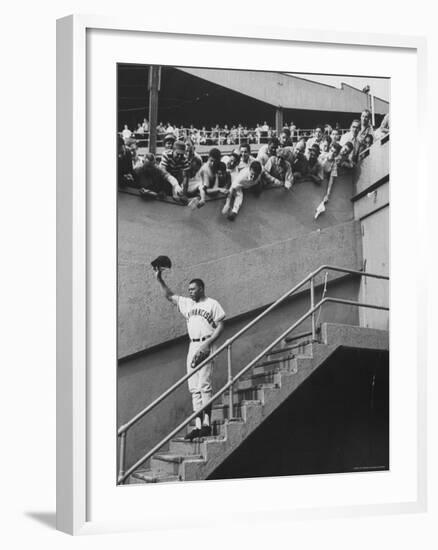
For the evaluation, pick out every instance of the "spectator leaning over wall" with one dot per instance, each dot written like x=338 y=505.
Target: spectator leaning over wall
x=316 y=138
x=329 y=163
x=353 y=137
x=156 y=183
x=232 y=164
x=268 y=150
x=175 y=163
x=344 y=160
x=280 y=168
x=342 y=165
x=325 y=148
x=210 y=176
x=300 y=162
x=285 y=142
x=365 y=145
x=314 y=167
x=254 y=177
x=245 y=156
x=194 y=170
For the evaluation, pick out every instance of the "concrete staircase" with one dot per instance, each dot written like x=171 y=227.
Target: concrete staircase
x=255 y=397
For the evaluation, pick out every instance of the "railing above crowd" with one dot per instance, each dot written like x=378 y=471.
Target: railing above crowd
x=218 y=136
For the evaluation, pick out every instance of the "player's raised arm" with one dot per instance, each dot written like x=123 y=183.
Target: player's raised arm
x=169 y=294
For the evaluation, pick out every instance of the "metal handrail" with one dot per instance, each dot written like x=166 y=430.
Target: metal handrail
x=234 y=379
x=122 y=431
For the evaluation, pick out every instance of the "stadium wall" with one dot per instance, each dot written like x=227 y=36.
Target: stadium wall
x=371 y=210
x=246 y=264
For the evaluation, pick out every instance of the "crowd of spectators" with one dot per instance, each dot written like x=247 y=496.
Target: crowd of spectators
x=182 y=175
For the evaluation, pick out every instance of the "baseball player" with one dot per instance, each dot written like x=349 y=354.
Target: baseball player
x=204 y=318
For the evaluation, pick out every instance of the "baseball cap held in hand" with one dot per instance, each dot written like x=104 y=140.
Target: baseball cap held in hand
x=161 y=262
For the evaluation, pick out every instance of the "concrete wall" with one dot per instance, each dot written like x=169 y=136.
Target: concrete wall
x=246 y=264
x=374 y=167
x=144 y=378
x=371 y=208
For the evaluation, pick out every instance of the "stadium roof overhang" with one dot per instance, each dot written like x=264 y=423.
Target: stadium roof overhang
x=290 y=92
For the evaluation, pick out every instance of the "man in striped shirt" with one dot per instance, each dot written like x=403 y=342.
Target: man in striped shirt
x=176 y=164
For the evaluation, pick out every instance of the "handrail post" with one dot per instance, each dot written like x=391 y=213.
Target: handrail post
x=312 y=304
x=230 y=377
x=122 y=455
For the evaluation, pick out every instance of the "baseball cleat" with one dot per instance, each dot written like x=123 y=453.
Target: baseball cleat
x=194 y=433
x=232 y=216
x=205 y=431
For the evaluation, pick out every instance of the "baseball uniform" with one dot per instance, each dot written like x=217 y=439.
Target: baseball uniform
x=202 y=318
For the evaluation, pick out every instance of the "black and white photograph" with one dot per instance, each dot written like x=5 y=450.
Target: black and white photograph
x=253 y=274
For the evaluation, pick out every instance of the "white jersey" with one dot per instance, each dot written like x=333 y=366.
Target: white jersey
x=202 y=317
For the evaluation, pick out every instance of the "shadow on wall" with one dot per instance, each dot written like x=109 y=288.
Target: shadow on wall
x=337 y=421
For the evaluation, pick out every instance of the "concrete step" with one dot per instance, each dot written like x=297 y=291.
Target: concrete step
x=261 y=369
x=280 y=361
x=254 y=393
x=291 y=349
x=221 y=411
x=151 y=476
x=170 y=463
x=265 y=377
x=269 y=374
x=271 y=364
x=219 y=427
x=293 y=339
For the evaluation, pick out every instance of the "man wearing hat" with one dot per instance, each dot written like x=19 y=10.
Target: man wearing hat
x=168 y=141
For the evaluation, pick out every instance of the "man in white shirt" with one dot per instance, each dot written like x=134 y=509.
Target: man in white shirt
x=267 y=151
x=252 y=177
x=316 y=139
x=204 y=317
x=245 y=156
x=353 y=137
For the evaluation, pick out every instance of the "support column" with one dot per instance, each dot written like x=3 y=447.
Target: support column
x=154 y=87
x=279 y=119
